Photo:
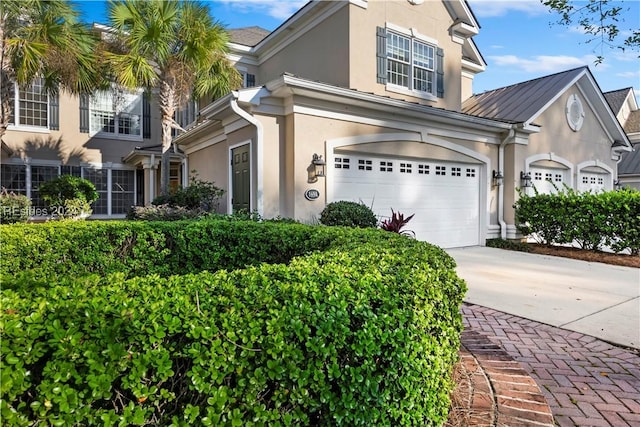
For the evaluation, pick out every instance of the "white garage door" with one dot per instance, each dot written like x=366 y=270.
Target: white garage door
x=444 y=196
x=549 y=180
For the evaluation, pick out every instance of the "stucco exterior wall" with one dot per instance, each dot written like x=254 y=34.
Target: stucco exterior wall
x=321 y=54
x=430 y=19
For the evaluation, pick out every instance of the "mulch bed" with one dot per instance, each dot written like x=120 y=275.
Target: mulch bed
x=592 y=256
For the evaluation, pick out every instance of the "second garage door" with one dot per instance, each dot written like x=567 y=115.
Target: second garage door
x=444 y=196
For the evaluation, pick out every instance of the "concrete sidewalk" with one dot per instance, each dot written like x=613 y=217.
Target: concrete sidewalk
x=591 y=298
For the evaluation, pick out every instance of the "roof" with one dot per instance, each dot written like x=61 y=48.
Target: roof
x=630 y=163
x=519 y=103
x=248 y=36
x=633 y=122
x=616 y=98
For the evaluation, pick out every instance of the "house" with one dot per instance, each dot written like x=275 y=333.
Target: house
x=624 y=105
x=373 y=102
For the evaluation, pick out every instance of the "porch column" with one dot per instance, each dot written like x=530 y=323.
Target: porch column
x=150 y=167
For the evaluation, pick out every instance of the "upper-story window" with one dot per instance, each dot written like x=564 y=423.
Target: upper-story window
x=30 y=105
x=116 y=113
x=409 y=64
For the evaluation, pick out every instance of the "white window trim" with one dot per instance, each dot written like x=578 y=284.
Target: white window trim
x=119 y=136
x=414 y=34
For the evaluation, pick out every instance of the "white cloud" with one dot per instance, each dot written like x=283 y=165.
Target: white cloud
x=278 y=9
x=636 y=92
x=491 y=8
x=496 y=46
x=544 y=63
x=628 y=74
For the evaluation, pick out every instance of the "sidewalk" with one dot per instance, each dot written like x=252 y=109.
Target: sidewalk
x=594 y=299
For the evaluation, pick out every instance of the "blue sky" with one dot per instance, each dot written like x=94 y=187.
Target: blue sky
x=518 y=39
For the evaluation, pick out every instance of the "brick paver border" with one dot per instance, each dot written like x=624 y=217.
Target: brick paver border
x=586 y=381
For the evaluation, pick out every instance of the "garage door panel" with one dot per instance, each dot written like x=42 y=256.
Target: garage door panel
x=444 y=196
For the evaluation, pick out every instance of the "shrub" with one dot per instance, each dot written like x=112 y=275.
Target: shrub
x=590 y=219
x=508 y=244
x=199 y=195
x=364 y=332
x=397 y=223
x=348 y=214
x=14 y=207
x=69 y=196
x=164 y=212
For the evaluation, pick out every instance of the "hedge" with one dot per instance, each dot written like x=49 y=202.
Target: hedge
x=321 y=326
x=592 y=220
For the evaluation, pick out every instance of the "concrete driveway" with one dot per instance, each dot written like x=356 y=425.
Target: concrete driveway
x=591 y=298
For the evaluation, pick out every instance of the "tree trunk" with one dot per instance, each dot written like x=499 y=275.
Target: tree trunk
x=166 y=155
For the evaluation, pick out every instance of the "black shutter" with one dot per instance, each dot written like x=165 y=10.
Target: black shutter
x=84 y=113
x=381 y=55
x=54 y=112
x=251 y=80
x=146 y=116
x=440 y=72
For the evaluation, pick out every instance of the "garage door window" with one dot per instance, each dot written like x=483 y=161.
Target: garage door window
x=386 y=166
x=471 y=173
x=405 y=167
x=423 y=169
x=342 y=163
x=365 y=165
x=441 y=170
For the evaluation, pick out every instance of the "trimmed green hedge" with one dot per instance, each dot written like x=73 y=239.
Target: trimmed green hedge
x=325 y=326
x=593 y=220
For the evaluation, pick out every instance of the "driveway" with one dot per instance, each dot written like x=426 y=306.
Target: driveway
x=591 y=298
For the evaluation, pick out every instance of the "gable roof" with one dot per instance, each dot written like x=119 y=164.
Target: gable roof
x=616 y=98
x=521 y=102
x=248 y=36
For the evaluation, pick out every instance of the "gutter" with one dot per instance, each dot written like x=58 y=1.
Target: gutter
x=259 y=144
x=503 y=225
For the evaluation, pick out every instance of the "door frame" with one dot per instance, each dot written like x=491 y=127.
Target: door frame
x=230 y=184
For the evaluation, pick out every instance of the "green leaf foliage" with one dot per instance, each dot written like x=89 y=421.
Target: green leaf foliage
x=291 y=325
x=348 y=214
x=593 y=220
x=14 y=207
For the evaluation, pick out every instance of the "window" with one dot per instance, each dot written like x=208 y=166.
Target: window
x=185 y=116
x=40 y=175
x=116 y=113
x=341 y=163
x=456 y=171
x=14 y=178
x=99 y=178
x=122 y=191
x=386 y=166
x=423 y=169
x=405 y=167
x=365 y=165
x=471 y=173
x=32 y=106
x=441 y=170
x=410 y=63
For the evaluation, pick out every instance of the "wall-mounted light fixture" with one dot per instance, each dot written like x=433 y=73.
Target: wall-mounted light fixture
x=616 y=184
x=498 y=178
x=525 y=180
x=319 y=165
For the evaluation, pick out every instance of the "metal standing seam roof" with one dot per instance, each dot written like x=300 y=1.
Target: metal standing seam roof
x=616 y=98
x=518 y=103
x=630 y=163
x=248 y=36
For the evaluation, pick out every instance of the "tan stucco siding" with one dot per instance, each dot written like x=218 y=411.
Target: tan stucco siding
x=430 y=19
x=590 y=143
x=321 y=54
x=69 y=145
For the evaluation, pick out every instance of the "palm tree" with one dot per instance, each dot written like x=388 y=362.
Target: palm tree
x=176 y=51
x=44 y=39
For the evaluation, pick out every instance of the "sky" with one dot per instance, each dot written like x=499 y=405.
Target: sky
x=519 y=39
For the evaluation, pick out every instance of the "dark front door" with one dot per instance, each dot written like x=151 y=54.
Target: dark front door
x=241 y=184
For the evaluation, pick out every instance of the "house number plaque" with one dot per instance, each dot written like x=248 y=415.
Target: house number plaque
x=311 y=194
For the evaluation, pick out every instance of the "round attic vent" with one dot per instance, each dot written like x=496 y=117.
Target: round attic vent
x=575 y=113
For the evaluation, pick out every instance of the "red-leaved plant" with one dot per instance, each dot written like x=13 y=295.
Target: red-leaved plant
x=396 y=223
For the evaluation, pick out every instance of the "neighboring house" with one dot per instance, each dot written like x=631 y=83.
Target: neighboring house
x=111 y=138
x=624 y=105
x=381 y=93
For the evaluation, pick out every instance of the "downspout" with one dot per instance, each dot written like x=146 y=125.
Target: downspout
x=258 y=144
x=503 y=143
